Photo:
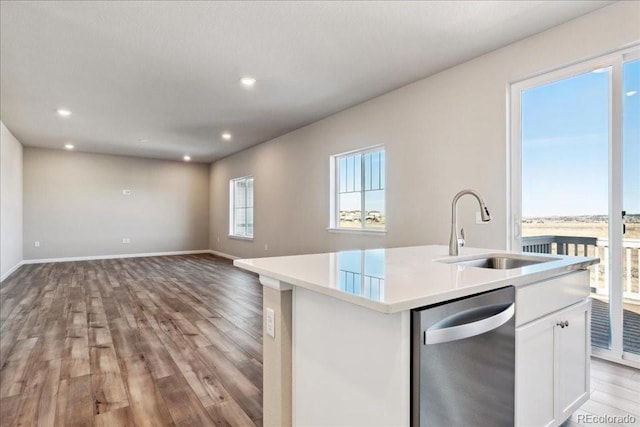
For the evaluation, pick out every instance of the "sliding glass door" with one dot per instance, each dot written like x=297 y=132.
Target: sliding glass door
x=575 y=184
x=631 y=206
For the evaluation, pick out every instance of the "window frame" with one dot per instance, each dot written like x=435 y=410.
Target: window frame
x=232 y=208
x=334 y=205
x=616 y=61
x=613 y=59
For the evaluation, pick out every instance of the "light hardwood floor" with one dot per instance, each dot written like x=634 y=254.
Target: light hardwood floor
x=615 y=391
x=142 y=341
x=160 y=341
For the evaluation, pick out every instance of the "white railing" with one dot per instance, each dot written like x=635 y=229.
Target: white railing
x=591 y=246
x=630 y=268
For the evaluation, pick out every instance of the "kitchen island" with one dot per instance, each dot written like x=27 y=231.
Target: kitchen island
x=337 y=330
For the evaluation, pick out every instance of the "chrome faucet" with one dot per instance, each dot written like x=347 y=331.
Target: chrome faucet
x=457 y=240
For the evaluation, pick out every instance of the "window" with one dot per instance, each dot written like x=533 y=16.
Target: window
x=575 y=180
x=241 y=207
x=358 y=199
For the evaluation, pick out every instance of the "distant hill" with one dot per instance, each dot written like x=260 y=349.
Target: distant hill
x=629 y=219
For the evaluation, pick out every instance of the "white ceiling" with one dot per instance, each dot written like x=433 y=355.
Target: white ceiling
x=169 y=72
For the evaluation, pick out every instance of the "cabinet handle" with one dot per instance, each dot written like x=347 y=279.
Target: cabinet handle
x=561 y=324
x=566 y=323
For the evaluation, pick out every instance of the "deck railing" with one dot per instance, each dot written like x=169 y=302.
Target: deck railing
x=561 y=245
x=592 y=246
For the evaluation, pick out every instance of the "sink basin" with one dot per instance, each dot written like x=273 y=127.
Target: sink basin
x=499 y=262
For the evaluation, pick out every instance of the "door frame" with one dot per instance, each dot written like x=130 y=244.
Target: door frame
x=615 y=60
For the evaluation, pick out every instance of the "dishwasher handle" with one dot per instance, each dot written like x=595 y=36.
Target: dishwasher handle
x=466 y=325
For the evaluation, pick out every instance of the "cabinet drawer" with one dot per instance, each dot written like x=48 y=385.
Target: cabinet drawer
x=541 y=298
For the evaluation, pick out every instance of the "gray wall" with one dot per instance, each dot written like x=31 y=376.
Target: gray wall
x=10 y=202
x=74 y=206
x=442 y=134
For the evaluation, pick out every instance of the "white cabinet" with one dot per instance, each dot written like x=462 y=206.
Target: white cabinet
x=552 y=366
x=535 y=373
x=573 y=348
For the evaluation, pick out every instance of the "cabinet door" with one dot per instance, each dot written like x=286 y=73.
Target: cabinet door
x=535 y=374
x=572 y=353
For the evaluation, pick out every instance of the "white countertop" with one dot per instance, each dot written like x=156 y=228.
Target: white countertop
x=399 y=279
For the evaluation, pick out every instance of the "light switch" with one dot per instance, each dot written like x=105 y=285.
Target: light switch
x=126 y=192
x=271 y=322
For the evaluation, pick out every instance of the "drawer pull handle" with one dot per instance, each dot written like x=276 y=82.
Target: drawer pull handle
x=491 y=317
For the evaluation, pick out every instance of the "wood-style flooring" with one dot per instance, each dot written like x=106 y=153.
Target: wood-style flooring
x=615 y=392
x=143 y=341
x=161 y=341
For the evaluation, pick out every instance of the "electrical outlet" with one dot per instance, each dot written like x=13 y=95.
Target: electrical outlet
x=126 y=192
x=36 y=244
x=126 y=240
x=266 y=247
x=271 y=322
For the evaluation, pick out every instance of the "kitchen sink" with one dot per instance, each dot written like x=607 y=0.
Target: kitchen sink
x=499 y=262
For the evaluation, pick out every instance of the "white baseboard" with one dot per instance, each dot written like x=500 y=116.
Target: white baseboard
x=223 y=255
x=11 y=270
x=116 y=256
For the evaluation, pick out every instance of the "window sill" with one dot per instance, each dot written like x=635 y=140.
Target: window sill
x=357 y=231
x=233 y=236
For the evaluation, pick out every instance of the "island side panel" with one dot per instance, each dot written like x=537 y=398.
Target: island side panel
x=351 y=365
x=276 y=397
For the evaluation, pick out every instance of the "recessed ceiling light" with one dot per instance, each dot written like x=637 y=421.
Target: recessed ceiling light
x=63 y=113
x=601 y=70
x=144 y=140
x=187 y=158
x=69 y=146
x=226 y=136
x=248 y=81
x=631 y=92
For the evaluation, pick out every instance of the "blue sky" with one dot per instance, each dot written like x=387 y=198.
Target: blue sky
x=565 y=131
x=350 y=172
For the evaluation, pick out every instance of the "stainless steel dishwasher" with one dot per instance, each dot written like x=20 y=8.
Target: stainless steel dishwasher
x=463 y=362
